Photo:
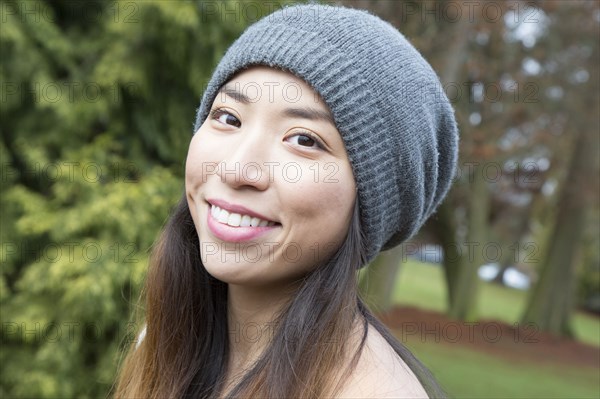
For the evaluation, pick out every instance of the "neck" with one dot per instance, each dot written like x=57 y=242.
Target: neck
x=251 y=312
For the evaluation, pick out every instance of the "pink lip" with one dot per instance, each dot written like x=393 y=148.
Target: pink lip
x=235 y=234
x=236 y=208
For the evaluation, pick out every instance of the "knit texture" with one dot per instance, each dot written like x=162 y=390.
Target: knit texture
x=387 y=102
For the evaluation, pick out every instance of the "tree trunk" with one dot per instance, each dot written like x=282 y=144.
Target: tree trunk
x=465 y=282
x=379 y=279
x=445 y=230
x=455 y=263
x=551 y=303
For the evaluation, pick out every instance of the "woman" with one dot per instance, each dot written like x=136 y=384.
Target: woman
x=321 y=140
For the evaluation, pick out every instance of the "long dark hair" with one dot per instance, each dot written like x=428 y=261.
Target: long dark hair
x=186 y=347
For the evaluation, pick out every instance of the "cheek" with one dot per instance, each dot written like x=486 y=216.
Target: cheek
x=325 y=230
x=200 y=161
x=335 y=191
x=338 y=199
x=324 y=206
x=193 y=161
x=197 y=168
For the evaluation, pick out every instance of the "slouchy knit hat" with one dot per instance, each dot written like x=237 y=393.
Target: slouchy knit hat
x=395 y=120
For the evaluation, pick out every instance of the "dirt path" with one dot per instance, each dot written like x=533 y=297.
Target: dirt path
x=494 y=337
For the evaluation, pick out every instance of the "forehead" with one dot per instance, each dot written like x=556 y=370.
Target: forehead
x=261 y=82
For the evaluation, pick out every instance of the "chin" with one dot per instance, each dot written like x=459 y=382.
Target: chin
x=228 y=272
x=257 y=274
x=238 y=273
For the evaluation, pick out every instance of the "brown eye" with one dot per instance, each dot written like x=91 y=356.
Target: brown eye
x=305 y=140
x=225 y=118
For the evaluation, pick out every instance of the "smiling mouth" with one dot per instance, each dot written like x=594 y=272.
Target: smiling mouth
x=233 y=219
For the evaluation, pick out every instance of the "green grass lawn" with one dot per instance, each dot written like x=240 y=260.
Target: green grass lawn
x=422 y=285
x=465 y=373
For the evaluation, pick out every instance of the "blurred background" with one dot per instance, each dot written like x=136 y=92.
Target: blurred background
x=499 y=294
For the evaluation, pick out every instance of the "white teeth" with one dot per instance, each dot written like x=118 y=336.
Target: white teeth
x=237 y=220
x=223 y=216
x=234 y=219
x=245 y=222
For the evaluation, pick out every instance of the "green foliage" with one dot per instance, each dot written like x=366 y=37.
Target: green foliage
x=98 y=105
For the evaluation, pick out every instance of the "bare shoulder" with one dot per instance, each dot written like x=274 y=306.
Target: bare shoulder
x=381 y=373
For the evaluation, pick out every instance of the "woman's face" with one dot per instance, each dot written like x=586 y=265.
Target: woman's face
x=268 y=182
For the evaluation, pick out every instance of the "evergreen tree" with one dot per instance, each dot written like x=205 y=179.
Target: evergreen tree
x=97 y=111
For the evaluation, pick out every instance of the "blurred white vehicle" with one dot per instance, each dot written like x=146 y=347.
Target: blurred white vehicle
x=512 y=277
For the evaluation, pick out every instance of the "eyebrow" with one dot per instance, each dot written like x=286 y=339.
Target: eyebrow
x=309 y=113
x=236 y=95
x=301 y=113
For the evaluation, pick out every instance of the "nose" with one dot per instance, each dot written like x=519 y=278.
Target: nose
x=247 y=163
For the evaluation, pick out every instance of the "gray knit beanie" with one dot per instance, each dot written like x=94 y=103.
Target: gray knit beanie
x=395 y=120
